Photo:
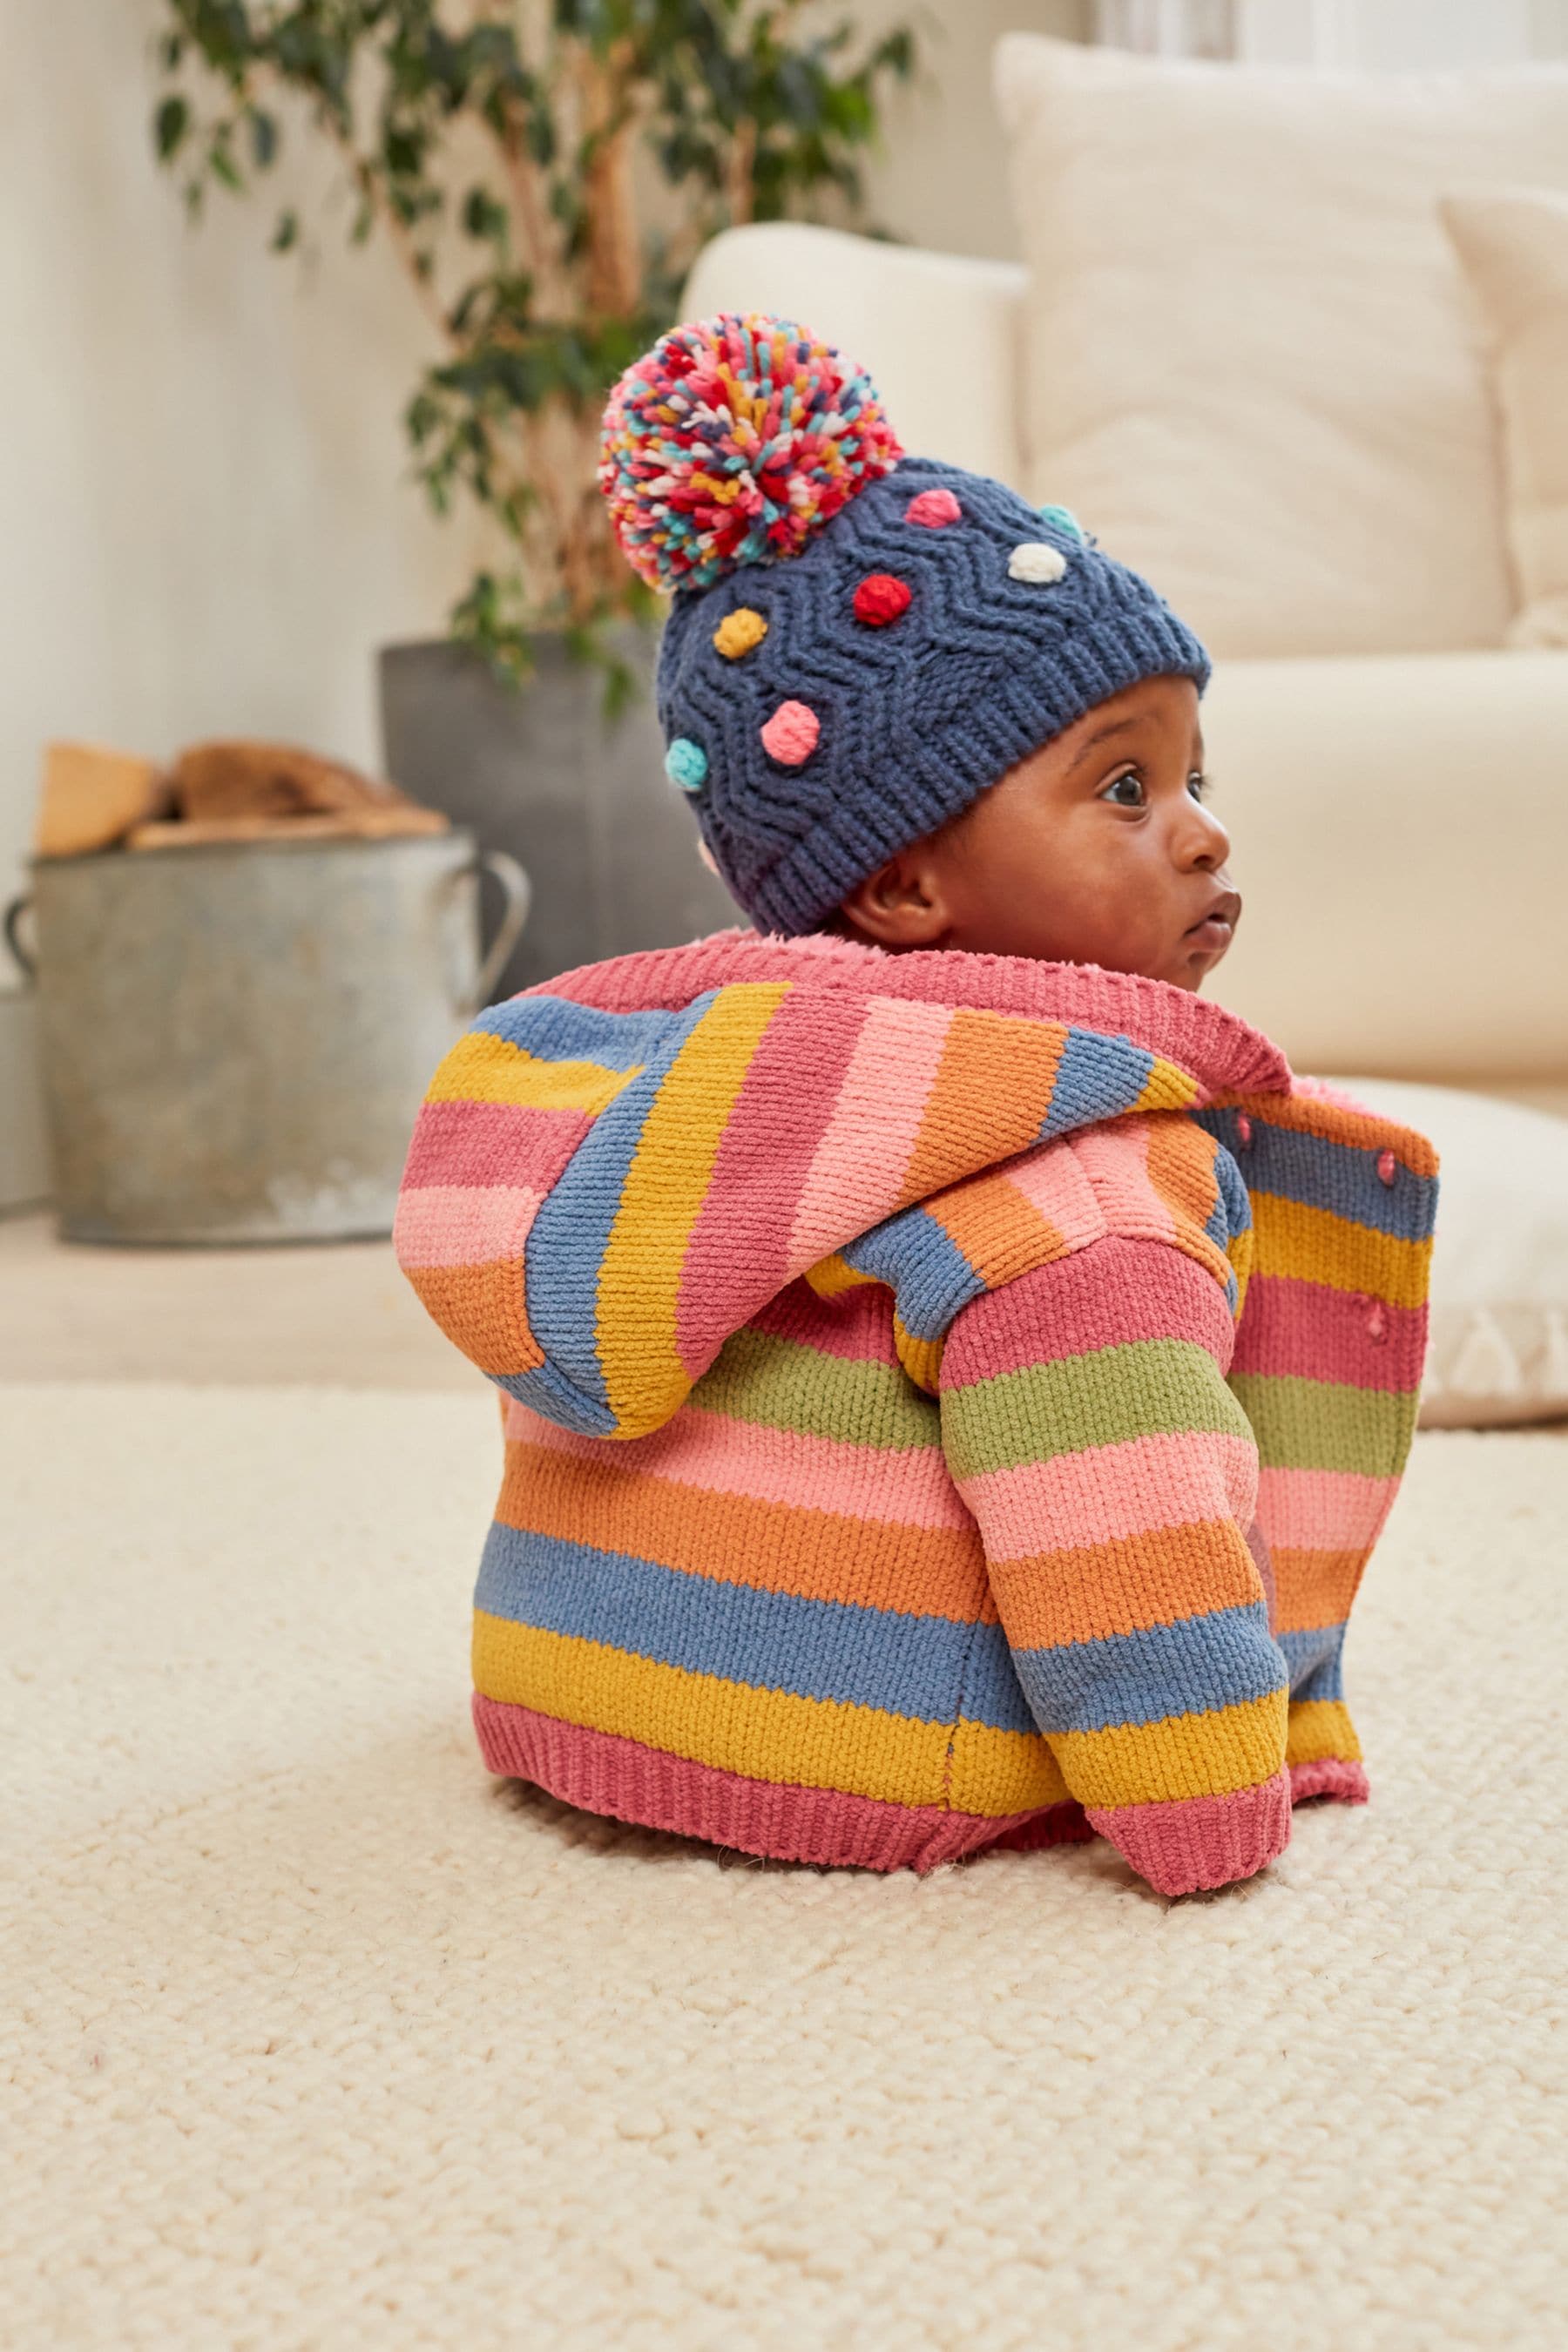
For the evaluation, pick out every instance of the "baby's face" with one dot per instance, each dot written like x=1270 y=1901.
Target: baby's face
x=1097 y=849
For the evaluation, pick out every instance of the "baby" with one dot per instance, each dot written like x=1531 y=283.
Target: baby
x=952 y=1375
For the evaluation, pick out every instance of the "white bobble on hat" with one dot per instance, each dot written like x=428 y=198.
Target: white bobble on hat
x=1037 y=562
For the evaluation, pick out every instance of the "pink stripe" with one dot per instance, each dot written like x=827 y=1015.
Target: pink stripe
x=1103 y=1297
x=492 y=1143
x=1115 y=1159
x=463 y=1225
x=1195 y=1841
x=1053 y=1180
x=1322 y=1510
x=771 y=1466
x=857 y=1327
x=858 y=1172
x=603 y=1773
x=1318 y=1334
x=1108 y=1492
x=737 y=1256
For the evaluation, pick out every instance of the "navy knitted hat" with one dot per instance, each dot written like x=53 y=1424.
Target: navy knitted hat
x=860 y=643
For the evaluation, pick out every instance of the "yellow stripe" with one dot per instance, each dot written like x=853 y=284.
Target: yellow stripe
x=832 y=1277
x=481 y=1068
x=639 y=1274
x=1002 y=1771
x=1320 y=1728
x=1167 y=1089
x=1205 y=1755
x=1314 y=1246
x=811 y=1743
x=922 y=1359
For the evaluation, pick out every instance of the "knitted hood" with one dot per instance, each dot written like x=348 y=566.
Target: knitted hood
x=660 y=1144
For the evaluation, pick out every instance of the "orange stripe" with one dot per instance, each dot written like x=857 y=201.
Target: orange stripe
x=1000 y=1233
x=1316 y=1587
x=1181 y=1161
x=993 y=1088
x=481 y=1309
x=1126 y=1584
x=738 y=1539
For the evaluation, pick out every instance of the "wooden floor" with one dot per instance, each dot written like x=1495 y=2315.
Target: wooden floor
x=338 y=1314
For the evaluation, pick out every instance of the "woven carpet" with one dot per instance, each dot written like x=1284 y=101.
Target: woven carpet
x=320 y=2039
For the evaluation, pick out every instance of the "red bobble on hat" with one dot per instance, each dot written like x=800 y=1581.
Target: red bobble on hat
x=880 y=598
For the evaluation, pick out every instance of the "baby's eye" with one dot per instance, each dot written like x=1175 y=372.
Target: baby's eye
x=1198 y=784
x=1126 y=791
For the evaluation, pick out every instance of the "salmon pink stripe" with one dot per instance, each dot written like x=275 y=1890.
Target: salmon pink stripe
x=463 y=1225
x=856 y=1172
x=1319 y=1334
x=1053 y=1181
x=1322 y=1510
x=492 y=1143
x=1105 y=1297
x=910 y=1488
x=856 y=1326
x=1115 y=1159
x=1130 y=1489
x=776 y=1127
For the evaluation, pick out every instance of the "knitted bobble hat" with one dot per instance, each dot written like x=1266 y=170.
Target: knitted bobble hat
x=859 y=643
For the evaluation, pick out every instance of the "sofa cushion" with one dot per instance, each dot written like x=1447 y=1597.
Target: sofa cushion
x=1514 y=246
x=1499 y=1348
x=1252 y=365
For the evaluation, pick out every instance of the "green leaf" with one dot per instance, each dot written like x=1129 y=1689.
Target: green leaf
x=170 y=125
x=287 y=232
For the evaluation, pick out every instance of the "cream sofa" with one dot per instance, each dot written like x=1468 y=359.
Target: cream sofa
x=1400 y=823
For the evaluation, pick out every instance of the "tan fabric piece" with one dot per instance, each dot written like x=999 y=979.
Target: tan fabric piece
x=1514 y=246
x=1252 y=365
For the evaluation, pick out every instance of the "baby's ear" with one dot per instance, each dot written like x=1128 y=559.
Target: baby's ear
x=902 y=904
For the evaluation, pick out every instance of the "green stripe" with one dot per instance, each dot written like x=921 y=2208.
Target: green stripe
x=785 y=1384
x=1145 y=1388
x=1322 y=1425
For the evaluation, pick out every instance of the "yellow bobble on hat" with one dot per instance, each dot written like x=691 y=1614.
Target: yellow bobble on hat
x=739 y=631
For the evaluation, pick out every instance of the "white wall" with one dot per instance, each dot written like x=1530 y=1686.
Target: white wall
x=202 y=524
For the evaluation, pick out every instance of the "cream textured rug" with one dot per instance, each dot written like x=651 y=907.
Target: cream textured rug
x=320 y=2039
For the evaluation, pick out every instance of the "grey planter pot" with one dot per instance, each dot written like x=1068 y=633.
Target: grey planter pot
x=582 y=803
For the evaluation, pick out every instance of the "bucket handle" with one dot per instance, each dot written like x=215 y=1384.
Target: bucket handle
x=26 y=961
x=517 y=899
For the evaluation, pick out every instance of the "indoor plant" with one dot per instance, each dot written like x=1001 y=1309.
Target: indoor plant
x=544 y=171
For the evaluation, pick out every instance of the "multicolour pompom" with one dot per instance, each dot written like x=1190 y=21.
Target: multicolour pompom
x=731 y=442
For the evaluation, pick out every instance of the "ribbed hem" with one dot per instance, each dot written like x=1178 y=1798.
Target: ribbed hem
x=1331 y=1776
x=603 y=1773
x=1198 y=1842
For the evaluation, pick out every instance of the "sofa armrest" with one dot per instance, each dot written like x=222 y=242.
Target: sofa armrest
x=1400 y=829
x=939 y=332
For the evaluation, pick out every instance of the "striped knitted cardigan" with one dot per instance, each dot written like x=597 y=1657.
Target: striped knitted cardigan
x=948 y=1400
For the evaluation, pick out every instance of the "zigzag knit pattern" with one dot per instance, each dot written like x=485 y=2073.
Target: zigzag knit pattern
x=921 y=699
x=950 y=1402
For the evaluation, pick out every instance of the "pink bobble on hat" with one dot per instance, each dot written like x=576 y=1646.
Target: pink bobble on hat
x=790 y=736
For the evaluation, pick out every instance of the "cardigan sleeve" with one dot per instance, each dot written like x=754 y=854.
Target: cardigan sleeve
x=1113 y=1476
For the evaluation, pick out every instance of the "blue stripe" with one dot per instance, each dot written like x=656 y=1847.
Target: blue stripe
x=916 y=1666
x=1320 y=1173
x=556 y=1030
x=1314 y=1662
x=571 y=1231
x=1219 y=1660
x=1097 y=1078
x=930 y=1274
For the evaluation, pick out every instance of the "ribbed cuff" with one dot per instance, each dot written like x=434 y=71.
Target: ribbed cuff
x=1198 y=1842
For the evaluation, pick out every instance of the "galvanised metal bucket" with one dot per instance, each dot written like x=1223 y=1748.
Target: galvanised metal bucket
x=235 y=1039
